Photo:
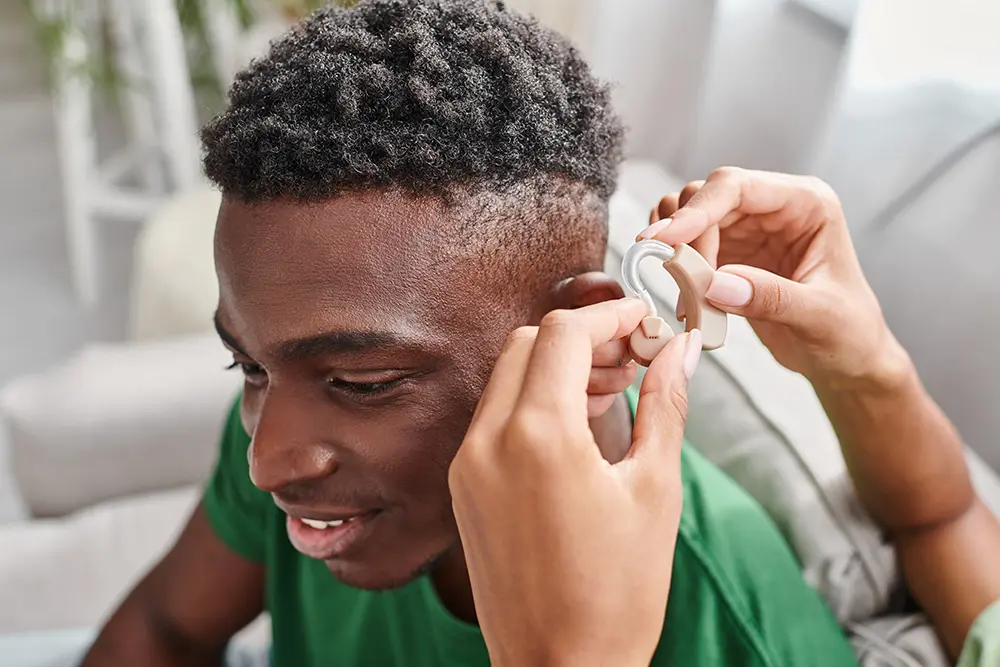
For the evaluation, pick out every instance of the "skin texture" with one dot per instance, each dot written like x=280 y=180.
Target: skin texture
x=294 y=281
x=301 y=288
x=529 y=485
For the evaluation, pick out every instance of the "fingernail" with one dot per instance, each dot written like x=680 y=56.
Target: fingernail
x=653 y=229
x=679 y=308
x=729 y=290
x=692 y=353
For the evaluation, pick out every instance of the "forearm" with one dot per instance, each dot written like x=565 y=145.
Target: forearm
x=905 y=457
x=952 y=571
x=135 y=635
x=907 y=462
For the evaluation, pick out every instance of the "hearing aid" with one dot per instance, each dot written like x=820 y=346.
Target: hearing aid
x=693 y=274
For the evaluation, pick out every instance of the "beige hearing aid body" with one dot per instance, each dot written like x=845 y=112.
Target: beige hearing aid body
x=693 y=274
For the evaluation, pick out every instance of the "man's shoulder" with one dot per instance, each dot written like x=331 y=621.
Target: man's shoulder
x=236 y=509
x=737 y=588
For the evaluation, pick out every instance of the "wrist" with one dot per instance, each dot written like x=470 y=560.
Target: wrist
x=887 y=370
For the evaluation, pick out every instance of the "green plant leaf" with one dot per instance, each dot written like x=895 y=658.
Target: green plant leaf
x=100 y=67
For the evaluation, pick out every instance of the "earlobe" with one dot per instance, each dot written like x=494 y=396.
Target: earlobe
x=587 y=289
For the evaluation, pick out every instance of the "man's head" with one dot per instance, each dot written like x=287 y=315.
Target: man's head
x=404 y=183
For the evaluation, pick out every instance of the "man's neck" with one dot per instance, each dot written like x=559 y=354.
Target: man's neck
x=613 y=433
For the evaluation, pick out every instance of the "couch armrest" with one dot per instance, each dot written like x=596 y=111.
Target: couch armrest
x=72 y=571
x=117 y=420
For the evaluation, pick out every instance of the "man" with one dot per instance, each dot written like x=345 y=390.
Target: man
x=405 y=183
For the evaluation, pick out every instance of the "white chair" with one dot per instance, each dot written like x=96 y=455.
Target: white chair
x=162 y=153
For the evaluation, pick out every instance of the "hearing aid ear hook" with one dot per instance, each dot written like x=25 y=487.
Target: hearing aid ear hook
x=693 y=274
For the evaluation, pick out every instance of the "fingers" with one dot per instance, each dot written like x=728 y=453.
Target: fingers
x=690 y=190
x=504 y=387
x=598 y=405
x=707 y=245
x=612 y=372
x=665 y=208
x=612 y=354
x=560 y=365
x=611 y=380
x=661 y=414
x=729 y=194
x=761 y=295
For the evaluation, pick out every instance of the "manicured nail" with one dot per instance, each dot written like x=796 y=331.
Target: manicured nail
x=653 y=229
x=692 y=353
x=729 y=290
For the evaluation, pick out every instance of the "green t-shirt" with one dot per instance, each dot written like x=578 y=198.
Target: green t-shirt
x=982 y=646
x=737 y=595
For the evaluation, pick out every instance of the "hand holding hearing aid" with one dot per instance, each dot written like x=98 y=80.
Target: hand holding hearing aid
x=529 y=479
x=786 y=263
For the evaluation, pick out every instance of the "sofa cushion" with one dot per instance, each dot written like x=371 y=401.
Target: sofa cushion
x=69 y=572
x=12 y=507
x=117 y=420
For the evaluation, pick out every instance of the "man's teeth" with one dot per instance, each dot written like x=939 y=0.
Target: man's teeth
x=322 y=525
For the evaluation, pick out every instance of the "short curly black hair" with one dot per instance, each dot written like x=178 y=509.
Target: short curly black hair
x=426 y=96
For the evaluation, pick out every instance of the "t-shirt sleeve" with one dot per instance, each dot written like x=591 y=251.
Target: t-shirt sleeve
x=236 y=508
x=982 y=646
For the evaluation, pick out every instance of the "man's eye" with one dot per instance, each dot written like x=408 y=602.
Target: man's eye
x=364 y=389
x=251 y=370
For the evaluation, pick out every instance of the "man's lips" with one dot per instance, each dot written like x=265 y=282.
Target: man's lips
x=326 y=534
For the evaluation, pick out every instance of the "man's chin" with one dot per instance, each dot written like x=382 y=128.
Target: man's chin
x=378 y=577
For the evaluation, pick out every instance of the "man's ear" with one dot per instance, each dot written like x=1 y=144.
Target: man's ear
x=587 y=289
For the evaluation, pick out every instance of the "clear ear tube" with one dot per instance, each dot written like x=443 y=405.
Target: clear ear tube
x=693 y=275
x=630 y=268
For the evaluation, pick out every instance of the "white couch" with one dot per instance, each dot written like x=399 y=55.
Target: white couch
x=109 y=450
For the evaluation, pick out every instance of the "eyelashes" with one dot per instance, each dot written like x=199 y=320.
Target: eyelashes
x=357 y=390
x=247 y=368
x=365 y=389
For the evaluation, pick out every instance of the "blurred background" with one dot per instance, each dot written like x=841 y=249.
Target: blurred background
x=106 y=224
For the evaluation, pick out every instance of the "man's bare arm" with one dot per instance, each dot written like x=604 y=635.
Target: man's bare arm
x=187 y=608
x=908 y=464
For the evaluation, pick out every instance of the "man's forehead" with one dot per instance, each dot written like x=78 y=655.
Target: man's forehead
x=377 y=235
x=355 y=264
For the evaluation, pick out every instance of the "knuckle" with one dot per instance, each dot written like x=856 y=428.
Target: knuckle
x=470 y=461
x=529 y=435
x=690 y=189
x=679 y=399
x=776 y=300
x=823 y=192
x=521 y=334
x=725 y=173
x=669 y=200
x=674 y=396
x=557 y=319
x=527 y=426
x=457 y=471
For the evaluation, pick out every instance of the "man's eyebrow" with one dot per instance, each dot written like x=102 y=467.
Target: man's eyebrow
x=227 y=337
x=336 y=342
x=340 y=342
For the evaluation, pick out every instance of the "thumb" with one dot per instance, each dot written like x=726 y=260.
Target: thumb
x=660 y=416
x=759 y=295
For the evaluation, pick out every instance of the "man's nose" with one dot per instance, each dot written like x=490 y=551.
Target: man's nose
x=286 y=448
